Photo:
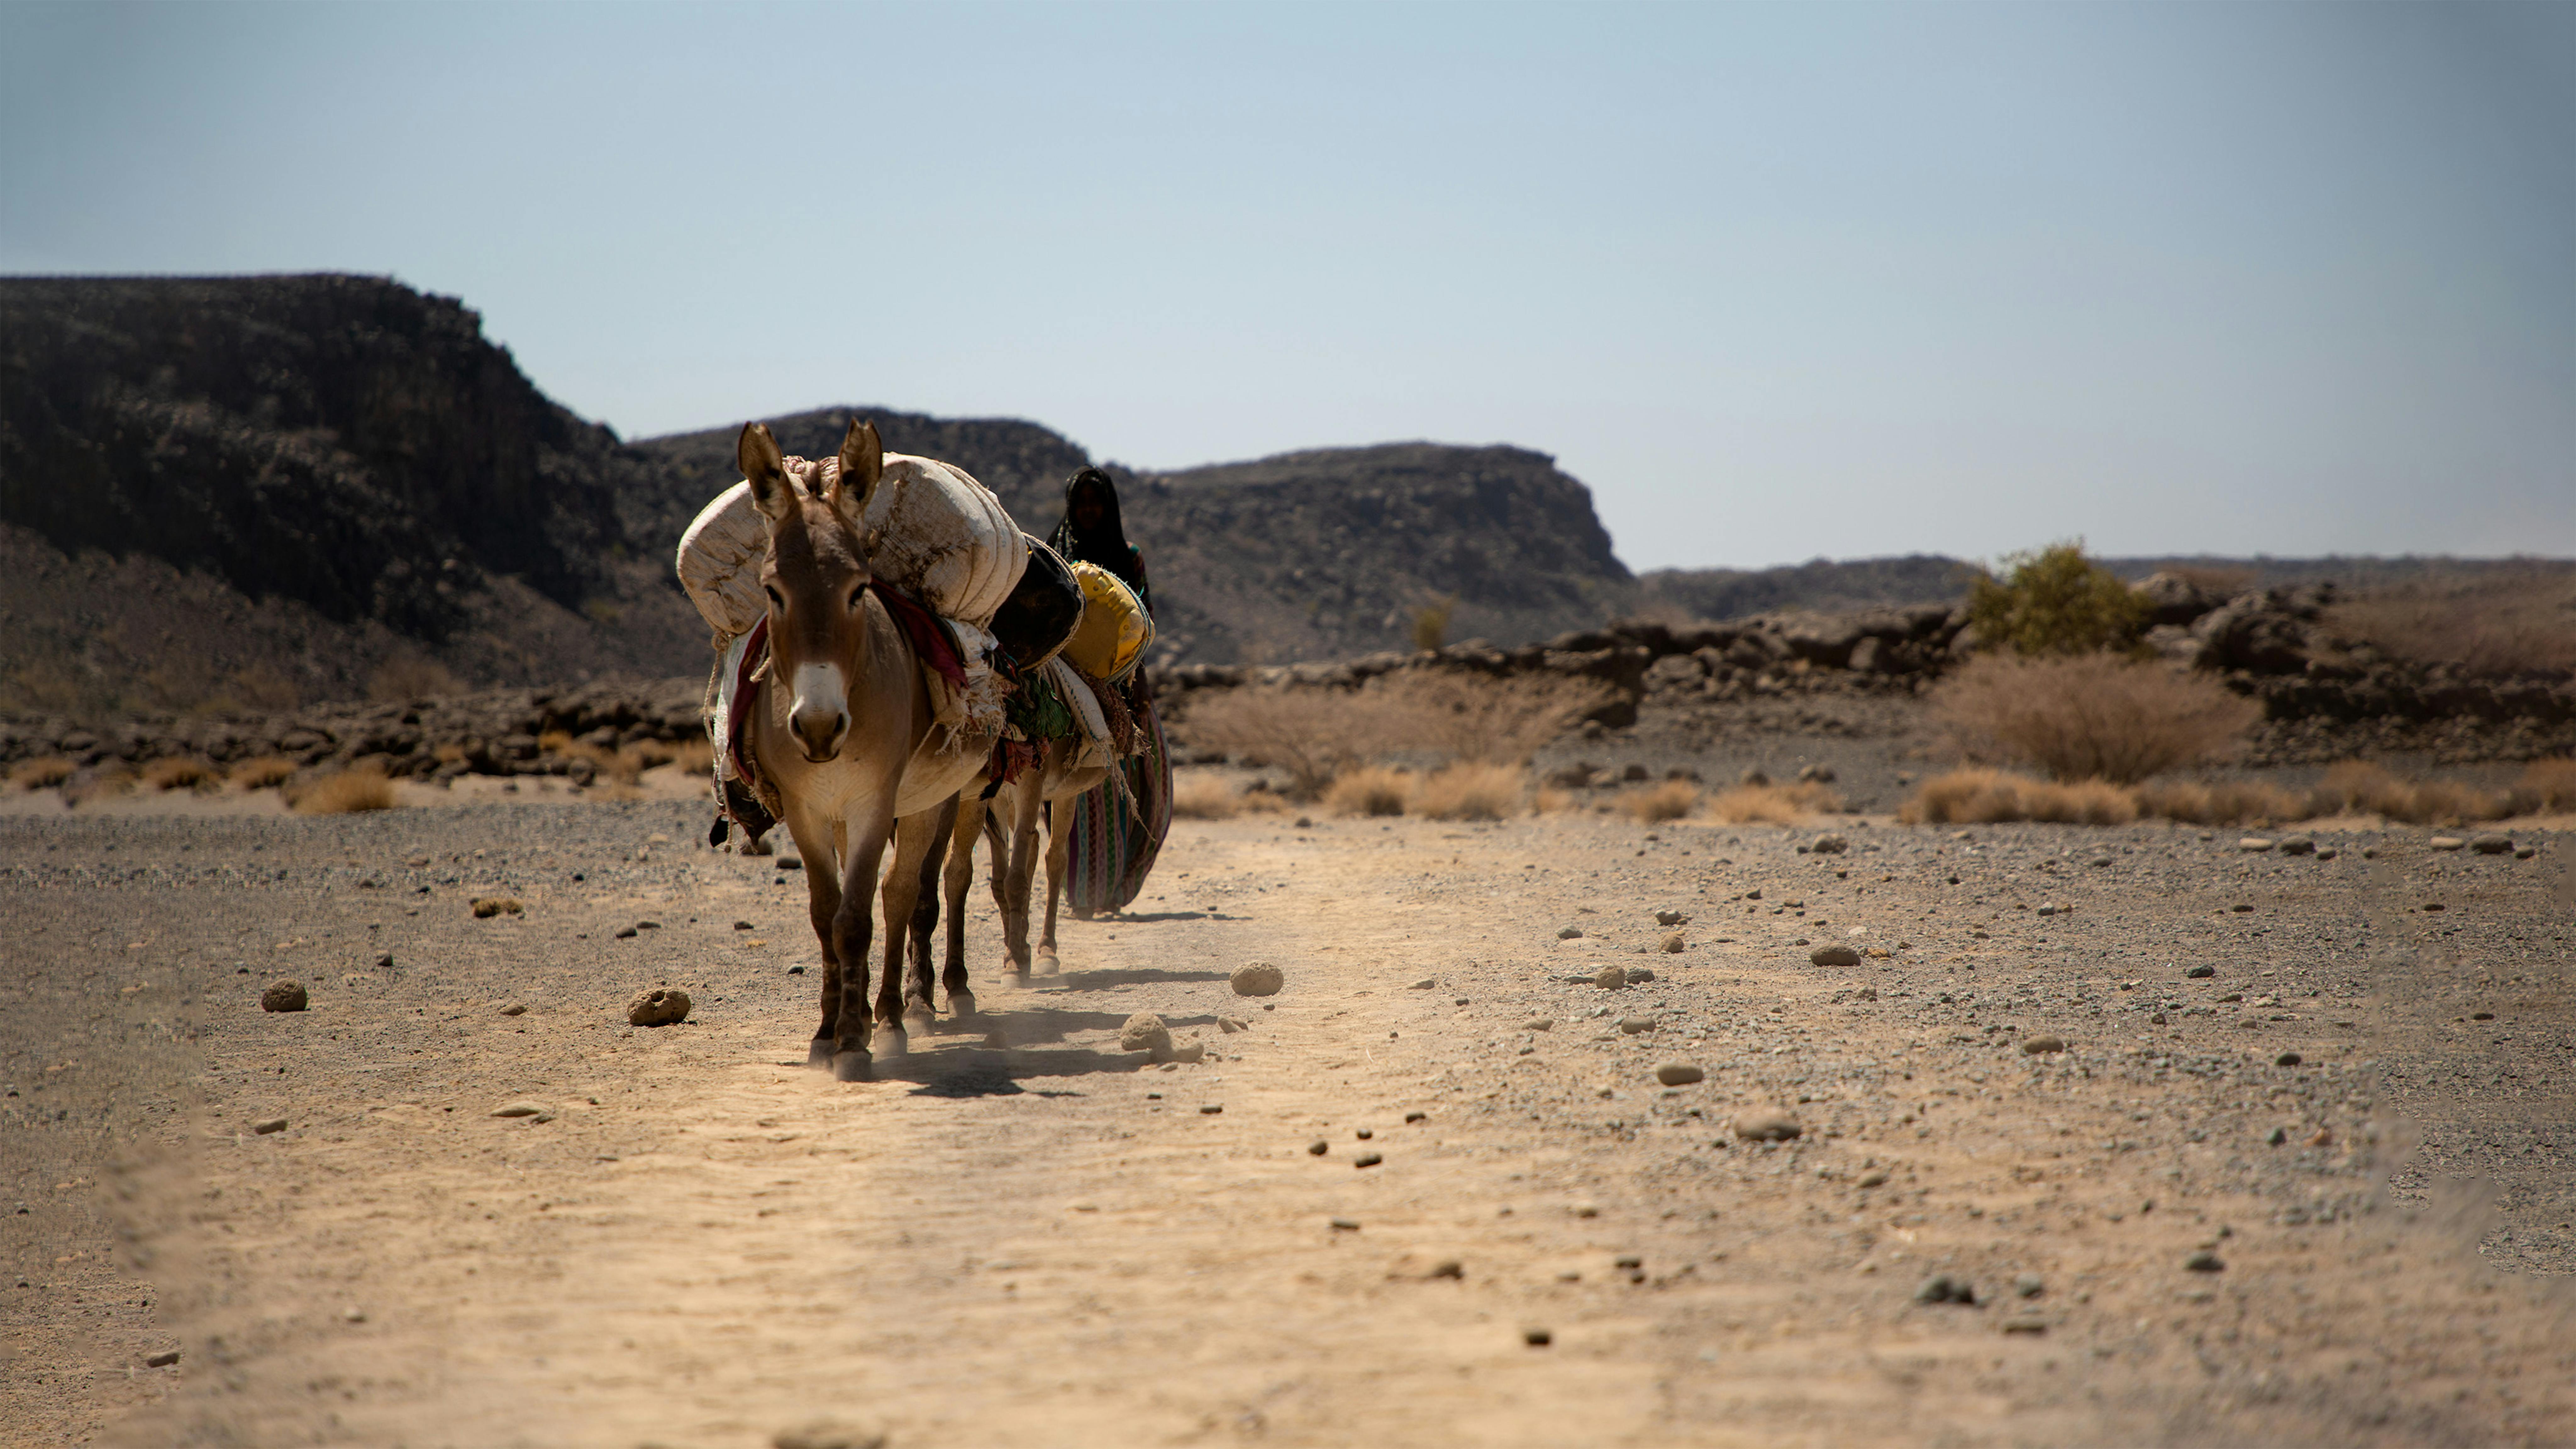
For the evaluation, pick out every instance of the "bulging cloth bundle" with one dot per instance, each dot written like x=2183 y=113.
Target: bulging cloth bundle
x=932 y=532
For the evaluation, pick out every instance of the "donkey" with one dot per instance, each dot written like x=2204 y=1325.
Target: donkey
x=843 y=726
x=1050 y=788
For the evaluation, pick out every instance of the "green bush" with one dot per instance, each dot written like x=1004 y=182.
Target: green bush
x=2055 y=601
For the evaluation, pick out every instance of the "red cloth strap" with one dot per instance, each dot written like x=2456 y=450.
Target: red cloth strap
x=929 y=637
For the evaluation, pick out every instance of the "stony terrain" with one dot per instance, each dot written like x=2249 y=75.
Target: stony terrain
x=1024 y=1232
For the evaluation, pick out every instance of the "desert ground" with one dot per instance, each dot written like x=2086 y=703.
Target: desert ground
x=1358 y=1216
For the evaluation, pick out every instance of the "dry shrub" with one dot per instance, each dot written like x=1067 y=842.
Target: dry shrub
x=1431 y=622
x=181 y=773
x=408 y=677
x=555 y=742
x=1203 y=797
x=1771 y=804
x=2225 y=802
x=1262 y=802
x=2500 y=622
x=263 y=773
x=2361 y=786
x=447 y=754
x=2551 y=783
x=1655 y=804
x=349 y=790
x=1459 y=716
x=1369 y=790
x=2092 y=716
x=1315 y=734
x=1549 y=800
x=107 y=781
x=42 y=774
x=1471 y=790
x=2055 y=601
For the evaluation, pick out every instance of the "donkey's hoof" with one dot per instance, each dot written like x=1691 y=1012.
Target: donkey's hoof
x=890 y=1044
x=853 y=1067
x=1048 y=965
x=818 y=1053
x=920 y=1019
x=961 y=1005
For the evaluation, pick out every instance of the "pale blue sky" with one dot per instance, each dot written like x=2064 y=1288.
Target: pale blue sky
x=1777 y=282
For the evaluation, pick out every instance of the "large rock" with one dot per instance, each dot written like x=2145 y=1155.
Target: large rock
x=661 y=1006
x=1257 y=978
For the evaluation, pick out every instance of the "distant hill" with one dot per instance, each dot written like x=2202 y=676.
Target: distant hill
x=259 y=491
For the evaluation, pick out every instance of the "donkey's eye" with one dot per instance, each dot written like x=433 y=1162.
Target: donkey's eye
x=856 y=595
x=775 y=600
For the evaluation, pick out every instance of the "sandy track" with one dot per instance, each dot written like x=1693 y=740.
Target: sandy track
x=1037 y=1242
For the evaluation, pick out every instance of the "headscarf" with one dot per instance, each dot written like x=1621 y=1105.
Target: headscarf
x=1104 y=543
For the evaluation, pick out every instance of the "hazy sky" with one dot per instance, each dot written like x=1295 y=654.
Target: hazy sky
x=1777 y=282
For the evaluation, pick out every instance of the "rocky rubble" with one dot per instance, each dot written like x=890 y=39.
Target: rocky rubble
x=497 y=732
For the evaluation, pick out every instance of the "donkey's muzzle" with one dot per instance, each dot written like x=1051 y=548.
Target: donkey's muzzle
x=819 y=730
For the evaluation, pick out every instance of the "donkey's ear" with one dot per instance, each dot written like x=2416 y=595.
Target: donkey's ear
x=757 y=455
x=862 y=463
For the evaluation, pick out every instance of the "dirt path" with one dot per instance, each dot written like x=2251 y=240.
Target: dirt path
x=1035 y=1241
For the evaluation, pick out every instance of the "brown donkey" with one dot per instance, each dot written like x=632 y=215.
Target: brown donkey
x=843 y=726
x=1050 y=788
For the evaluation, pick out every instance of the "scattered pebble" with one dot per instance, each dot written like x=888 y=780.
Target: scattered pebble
x=1412 y=1117
x=2298 y=845
x=1768 y=1127
x=2286 y=1059
x=486 y=907
x=1258 y=978
x=1537 y=1337
x=1447 y=1268
x=1610 y=978
x=2201 y=973
x=1346 y=1225
x=1587 y=1210
x=661 y=1006
x=2029 y=1285
x=2492 y=844
x=829 y=1434
x=1672 y=918
x=1569 y=933
x=1834 y=956
x=163 y=1359
x=1145 y=1032
x=1211 y=1109
x=1367 y=1159
x=283 y=996
x=515 y=1008
x=1873 y=1179
x=1364 y=1134
x=1636 y=1025
x=1425 y=984
x=2446 y=842
x=1232 y=1024
x=1539 y=1023
x=2039 y=1044
x=1673 y=944
x=1830 y=845
x=2254 y=842
x=1679 y=1074
x=1318 y=1147
x=266 y=1125
x=1639 y=975
x=518 y=1109
x=2205 y=1261
x=1942 y=1288
x=2026 y=1325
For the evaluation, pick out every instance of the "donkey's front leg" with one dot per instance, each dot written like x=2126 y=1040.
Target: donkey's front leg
x=903 y=998
x=1025 y=806
x=1059 y=855
x=960 y=877
x=822 y=907
x=852 y=933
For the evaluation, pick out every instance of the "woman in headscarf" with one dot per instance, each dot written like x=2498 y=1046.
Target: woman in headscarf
x=1116 y=833
x=1091 y=532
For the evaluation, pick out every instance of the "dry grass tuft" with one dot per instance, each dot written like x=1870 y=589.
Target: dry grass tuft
x=1263 y=802
x=2361 y=786
x=266 y=772
x=1983 y=797
x=2093 y=716
x=1655 y=804
x=2225 y=802
x=407 y=677
x=1312 y=734
x=346 y=792
x=1203 y=797
x=1771 y=804
x=182 y=773
x=1471 y=791
x=108 y=780
x=1369 y=790
x=42 y=774
x=2551 y=783
x=1550 y=800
